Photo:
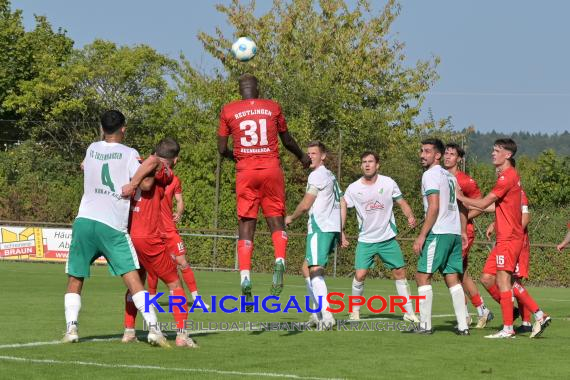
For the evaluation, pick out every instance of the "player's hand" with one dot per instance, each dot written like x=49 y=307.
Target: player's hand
x=490 y=231
x=464 y=240
x=344 y=243
x=288 y=220
x=560 y=247
x=306 y=161
x=418 y=244
x=459 y=194
x=412 y=222
x=128 y=190
x=176 y=217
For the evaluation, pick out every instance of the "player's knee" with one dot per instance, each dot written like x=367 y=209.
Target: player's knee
x=316 y=271
x=399 y=273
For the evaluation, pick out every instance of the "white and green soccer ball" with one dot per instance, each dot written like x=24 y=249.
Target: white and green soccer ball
x=244 y=49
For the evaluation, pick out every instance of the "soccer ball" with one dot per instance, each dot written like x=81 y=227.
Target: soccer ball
x=244 y=49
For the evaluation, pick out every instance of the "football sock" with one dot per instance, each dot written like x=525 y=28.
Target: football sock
x=320 y=290
x=189 y=279
x=180 y=316
x=458 y=298
x=495 y=292
x=245 y=250
x=507 y=309
x=522 y=295
x=280 y=240
x=150 y=316
x=357 y=290
x=403 y=289
x=425 y=306
x=72 y=303
x=312 y=295
x=130 y=311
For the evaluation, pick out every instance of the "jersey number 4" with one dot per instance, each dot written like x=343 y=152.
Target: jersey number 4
x=106 y=177
x=251 y=137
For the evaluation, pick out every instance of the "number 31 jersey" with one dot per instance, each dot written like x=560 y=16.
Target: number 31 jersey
x=107 y=168
x=254 y=125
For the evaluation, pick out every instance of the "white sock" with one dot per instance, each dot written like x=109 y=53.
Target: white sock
x=72 y=302
x=526 y=323
x=425 y=306
x=194 y=295
x=458 y=298
x=481 y=310
x=244 y=274
x=320 y=289
x=280 y=259
x=538 y=315
x=149 y=317
x=312 y=296
x=357 y=290
x=403 y=289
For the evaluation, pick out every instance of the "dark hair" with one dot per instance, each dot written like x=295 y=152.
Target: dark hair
x=510 y=145
x=370 y=153
x=460 y=151
x=248 y=86
x=167 y=148
x=112 y=121
x=318 y=144
x=437 y=144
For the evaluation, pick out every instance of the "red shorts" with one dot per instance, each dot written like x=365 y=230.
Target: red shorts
x=153 y=257
x=504 y=256
x=260 y=187
x=521 y=270
x=174 y=244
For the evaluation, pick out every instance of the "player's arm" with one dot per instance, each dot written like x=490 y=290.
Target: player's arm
x=407 y=211
x=564 y=243
x=303 y=206
x=223 y=148
x=463 y=217
x=343 y=209
x=431 y=217
x=292 y=146
x=481 y=203
x=147 y=183
x=179 y=207
x=490 y=230
x=147 y=167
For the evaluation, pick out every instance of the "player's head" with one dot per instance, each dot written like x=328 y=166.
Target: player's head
x=504 y=150
x=168 y=149
x=431 y=152
x=317 y=152
x=113 y=123
x=248 y=88
x=453 y=155
x=369 y=163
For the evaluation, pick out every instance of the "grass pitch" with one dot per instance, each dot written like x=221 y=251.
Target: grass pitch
x=33 y=321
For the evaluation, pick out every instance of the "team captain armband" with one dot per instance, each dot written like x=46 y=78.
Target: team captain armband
x=525 y=209
x=312 y=189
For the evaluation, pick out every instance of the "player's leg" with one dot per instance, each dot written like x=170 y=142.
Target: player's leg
x=428 y=263
x=315 y=317
x=484 y=315
x=245 y=250
x=450 y=246
x=363 y=262
x=72 y=303
x=526 y=325
x=392 y=257
x=272 y=202
x=131 y=311
x=542 y=320
x=152 y=282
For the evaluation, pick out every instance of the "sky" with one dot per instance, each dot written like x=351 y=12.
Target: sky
x=504 y=64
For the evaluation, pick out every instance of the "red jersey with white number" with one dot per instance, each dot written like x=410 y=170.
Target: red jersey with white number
x=470 y=190
x=254 y=125
x=146 y=219
x=175 y=187
x=508 y=214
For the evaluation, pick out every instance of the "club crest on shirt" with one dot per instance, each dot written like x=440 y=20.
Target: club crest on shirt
x=381 y=191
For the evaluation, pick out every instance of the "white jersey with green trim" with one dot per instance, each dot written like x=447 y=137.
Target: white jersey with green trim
x=107 y=167
x=437 y=180
x=374 y=206
x=324 y=215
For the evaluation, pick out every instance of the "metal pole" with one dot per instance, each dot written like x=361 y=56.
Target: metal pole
x=216 y=210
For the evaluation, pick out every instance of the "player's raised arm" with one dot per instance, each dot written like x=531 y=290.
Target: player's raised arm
x=292 y=146
x=148 y=166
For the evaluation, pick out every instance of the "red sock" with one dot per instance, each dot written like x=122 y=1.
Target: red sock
x=280 y=240
x=245 y=250
x=524 y=298
x=495 y=293
x=476 y=300
x=525 y=313
x=507 y=306
x=152 y=282
x=130 y=312
x=189 y=280
x=180 y=316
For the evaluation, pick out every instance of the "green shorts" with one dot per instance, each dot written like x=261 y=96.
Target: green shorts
x=91 y=239
x=319 y=246
x=389 y=252
x=441 y=252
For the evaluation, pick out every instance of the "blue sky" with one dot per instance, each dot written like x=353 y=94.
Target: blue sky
x=504 y=64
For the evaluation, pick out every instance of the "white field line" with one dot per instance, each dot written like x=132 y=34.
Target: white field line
x=158 y=368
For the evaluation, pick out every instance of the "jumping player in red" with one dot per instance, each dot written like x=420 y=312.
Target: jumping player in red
x=174 y=244
x=145 y=230
x=506 y=195
x=255 y=125
x=453 y=156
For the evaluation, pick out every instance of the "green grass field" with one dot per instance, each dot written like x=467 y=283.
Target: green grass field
x=31 y=312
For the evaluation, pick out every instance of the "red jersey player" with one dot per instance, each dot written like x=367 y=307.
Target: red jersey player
x=453 y=156
x=501 y=263
x=145 y=231
x=255 y=125
x=174 y=244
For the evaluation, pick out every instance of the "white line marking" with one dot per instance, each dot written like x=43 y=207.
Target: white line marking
x=151 y=367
